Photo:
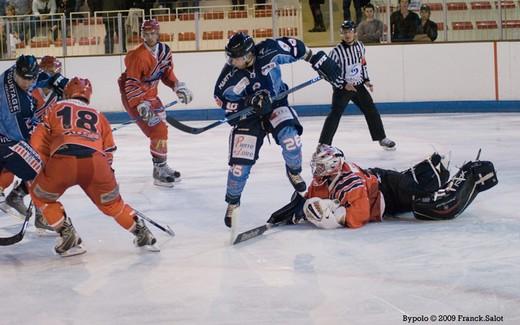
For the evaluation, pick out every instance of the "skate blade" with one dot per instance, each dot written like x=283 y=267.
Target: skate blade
x=150 y=248
x=76 y=250
x=163 y=184
x=389 y=149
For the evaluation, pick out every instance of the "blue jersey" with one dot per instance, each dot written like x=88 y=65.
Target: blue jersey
x=16 y=109
x=234 y=85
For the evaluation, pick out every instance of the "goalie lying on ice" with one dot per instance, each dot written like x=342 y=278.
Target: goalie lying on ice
x=342 y=194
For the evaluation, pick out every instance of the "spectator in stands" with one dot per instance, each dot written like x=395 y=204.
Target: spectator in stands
x=46 y=7
x=319 y=25
x=68 y=6
x=357 y=7
x=94 y=5
x=427 y=31
x=27 y=28
x=3 y=5
x=371 y=29
x=404 y=23
x=112 y=26
x=237 y=3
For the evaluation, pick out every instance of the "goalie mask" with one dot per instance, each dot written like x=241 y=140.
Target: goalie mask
x=326 y=161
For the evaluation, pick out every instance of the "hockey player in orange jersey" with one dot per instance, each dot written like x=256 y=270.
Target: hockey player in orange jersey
x=146 y=65
x=342 y=194
x=76 y=144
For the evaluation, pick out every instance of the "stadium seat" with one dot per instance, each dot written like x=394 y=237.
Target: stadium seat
x=40 y=43
x=511 y=24
x=134 y=38
x=480 y=5
x=457 y=6
x=213 y=35
x=87 y=41
x=259 y=13
x=165 y=37
x=284 y=12
x=234 y=14
x=20 y=45
x=487 y=24
x=435 y=6
x=186 y=36
x=506 y=4
x=262 y=32
x=186 y=16
x=213 y=15
x=288 y=31
x=69 y=41
x=233 y=32
x=462 y=25
x=165 y=18
x=440 y=26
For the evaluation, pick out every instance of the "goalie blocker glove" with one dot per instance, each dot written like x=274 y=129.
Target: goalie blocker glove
x=328 y=69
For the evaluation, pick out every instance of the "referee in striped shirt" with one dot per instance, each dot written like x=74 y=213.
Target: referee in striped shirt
x=350 y=56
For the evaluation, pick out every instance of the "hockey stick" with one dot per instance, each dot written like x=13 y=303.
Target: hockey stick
x=133 y=121
x=243 y=113
x=255 y=232
x=19 y=236
x=166 y=229
x=278 y=218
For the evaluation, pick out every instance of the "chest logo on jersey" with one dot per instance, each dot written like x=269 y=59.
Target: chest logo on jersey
x=12 y=95
x=241 y=86
x=224 y=81
x=267 y=68
x=284 y=46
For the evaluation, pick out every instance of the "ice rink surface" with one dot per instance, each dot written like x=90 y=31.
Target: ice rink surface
x=378 y=274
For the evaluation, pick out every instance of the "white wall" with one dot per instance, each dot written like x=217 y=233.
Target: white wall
x=400 y=73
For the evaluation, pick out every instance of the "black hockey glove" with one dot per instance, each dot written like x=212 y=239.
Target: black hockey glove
x=261 y=103
x=327 y=69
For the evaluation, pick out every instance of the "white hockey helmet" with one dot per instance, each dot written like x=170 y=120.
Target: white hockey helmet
x=327 y=160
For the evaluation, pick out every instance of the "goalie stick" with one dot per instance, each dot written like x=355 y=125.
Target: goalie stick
x=278 y=218
x=243 y=113
x=133 y=121
x=6 y=241
x=255 y=232
x=166 y=229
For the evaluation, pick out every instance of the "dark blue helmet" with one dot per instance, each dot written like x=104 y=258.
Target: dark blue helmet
x=239 y=45
x=27 y=67
x=348 y=25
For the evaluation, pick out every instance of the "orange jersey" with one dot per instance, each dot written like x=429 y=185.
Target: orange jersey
x=356 y=190
x=72 y=122
x=43 y=102
x=144 y=69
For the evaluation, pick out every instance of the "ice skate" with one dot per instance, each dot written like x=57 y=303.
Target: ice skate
x=7 y=209
x=41 y=225
x=387 y=144
x=296 y=180
x=144 y=237
x=164 y=175
x=69 y=243
x=14 y=204
x=231 y=219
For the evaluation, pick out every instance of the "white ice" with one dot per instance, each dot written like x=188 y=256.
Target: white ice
x=291 y=275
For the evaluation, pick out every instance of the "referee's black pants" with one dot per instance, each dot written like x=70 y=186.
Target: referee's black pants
x=363 y=100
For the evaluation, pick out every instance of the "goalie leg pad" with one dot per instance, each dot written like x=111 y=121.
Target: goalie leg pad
x=450 y=201
x=427 y=176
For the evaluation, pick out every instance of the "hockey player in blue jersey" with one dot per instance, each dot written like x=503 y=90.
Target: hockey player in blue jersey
x=16 y=119
x=251 y=77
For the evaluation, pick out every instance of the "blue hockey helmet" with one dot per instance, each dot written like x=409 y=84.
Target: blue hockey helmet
x=27 y=67
x=239 y=45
